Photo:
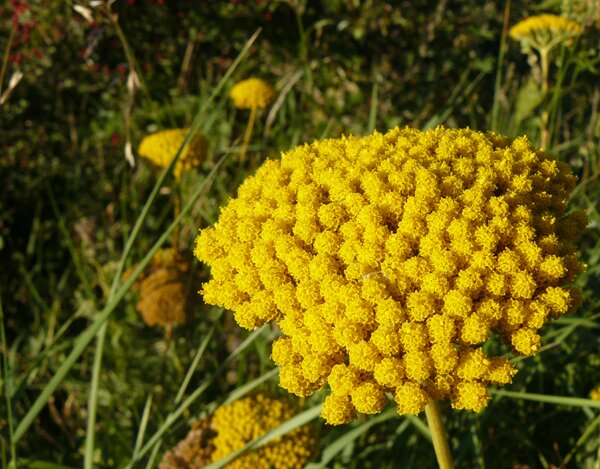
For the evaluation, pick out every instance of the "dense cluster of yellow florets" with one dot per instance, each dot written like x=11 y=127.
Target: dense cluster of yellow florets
x=545 y=30
x=389 y=260
x=234 y=425
x=252 y=93
x=164 y=290
x=244 y=420
x=161 y=147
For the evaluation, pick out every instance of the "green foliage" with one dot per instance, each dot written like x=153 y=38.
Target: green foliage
x=70 y=206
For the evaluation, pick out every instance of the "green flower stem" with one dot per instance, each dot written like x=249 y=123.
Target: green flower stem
x=545 y=68
x=176 y=211
x=438 y=435
x=248 y=134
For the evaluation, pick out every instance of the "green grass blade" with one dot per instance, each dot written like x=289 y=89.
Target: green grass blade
x=143 y=425
x=560 y=400
x=88 y=459
x=196 y=360
x=153 y=456
x=31 y=464
x=174 y=416
x=8 y=391
x=286 y=427
x=332 y=450
x=241 y=391
x=420 y=426
x=594 y=424
x=182 y=388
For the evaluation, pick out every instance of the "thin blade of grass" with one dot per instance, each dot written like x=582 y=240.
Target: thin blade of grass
x=173 y=416
x=31 y=464
x=560 y=400
x=241 y=391
x=196 y=360
x=594 y=424
x=152 y=456
x=333 y=449
x=295 y=76
x=286 y=427
x=420 y=426
x=8 y=392
x=143 y=424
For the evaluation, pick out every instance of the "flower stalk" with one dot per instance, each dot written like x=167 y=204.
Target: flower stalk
x=545 y=114
x=248 y=134
x=438 y=435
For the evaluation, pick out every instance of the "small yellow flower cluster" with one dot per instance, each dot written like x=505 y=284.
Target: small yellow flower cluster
x=244 y=420
x=595 y=393
x=164 y=290
x=389 y=260
x=252 y=93
x=161 y=147
x=545 y=30
x=194 y=451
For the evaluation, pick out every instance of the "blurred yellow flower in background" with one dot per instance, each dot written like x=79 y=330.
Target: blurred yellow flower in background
x=545 y=30
x=234 y=425
x=161 y=147
x=595 y=393
x=389 y=260
x=252 y=93
x=165 y=290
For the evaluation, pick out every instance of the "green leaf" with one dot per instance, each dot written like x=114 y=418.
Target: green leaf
x=529 y=98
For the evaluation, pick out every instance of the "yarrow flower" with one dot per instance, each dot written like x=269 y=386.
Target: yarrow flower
x=544 y=31
x=161 y=147
x=164 y=290
x=234 y=425
x=252 y=93
x=389 y=260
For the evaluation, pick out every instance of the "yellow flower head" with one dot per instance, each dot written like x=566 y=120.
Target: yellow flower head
x=161 y=147
x=595 y=393
x=244 y=420
x=164 y=290
x=252 y=93
x=389 y=260
x=544 y=30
